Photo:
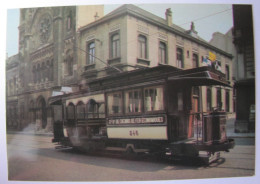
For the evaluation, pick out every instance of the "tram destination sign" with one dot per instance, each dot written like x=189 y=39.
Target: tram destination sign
x=136 y=120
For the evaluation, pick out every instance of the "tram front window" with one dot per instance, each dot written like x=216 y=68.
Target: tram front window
x=153 y=99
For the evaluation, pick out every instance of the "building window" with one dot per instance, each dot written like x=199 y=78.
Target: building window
x=195 y=60
x=142 y=47
x=115 y=46
x=153 y=99
x=51 y=70
x=209 y=99
x=38 y=74
x=133 y=101
x=227 y=73
x=227 y=101
x=69 y=21
x=234 y=100
x=219 y=100
x=91 y=53
x=162 y=53
x=69 y=63
x=44 y=72
x=70 y=66
x=179 y=58
x=114 y=103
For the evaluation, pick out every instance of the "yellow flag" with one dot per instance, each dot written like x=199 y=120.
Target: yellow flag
x=212 y=57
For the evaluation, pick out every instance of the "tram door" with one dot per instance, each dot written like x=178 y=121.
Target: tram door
x=58 y=121
x=179 y=110
x=194 y=113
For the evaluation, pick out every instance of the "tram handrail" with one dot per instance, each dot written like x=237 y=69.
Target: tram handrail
x=203 y=127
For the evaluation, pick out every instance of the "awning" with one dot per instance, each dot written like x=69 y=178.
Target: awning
x=55 y=100
x=200 y=77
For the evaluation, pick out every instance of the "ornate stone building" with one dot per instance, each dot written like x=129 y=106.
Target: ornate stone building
x=12 y=86
x=46 y=60
x=59 y=47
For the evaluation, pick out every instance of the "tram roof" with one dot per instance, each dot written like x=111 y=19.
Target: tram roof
x=201 y=76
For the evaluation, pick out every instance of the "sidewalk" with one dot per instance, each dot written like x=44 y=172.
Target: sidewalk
x=231 y=130
x=29 y=130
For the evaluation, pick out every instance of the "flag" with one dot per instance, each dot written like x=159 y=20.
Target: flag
x=212 y=56
x=206 y=62
x=217 y=66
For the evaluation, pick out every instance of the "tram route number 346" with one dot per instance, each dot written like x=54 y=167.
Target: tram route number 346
x=133 y=133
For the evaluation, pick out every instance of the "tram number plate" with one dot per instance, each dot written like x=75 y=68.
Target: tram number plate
x=133 y=133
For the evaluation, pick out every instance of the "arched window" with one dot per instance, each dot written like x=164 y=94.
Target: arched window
x=91 y=55
x=69 y=21
x=209 y=99
x=71 y=111
x=68 y=62
x=115 y=46
x=80 y=110
x=195 y=60
x=142 y=47
x=32 y=112
x=162 y=53
x=179 y=58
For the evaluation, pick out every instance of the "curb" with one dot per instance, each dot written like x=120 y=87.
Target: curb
x=241 y=136
x=30 y=133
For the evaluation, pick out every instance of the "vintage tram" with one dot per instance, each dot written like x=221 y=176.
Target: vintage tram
x=149 y=110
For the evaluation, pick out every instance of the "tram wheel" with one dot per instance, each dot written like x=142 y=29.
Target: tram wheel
x=130 y=153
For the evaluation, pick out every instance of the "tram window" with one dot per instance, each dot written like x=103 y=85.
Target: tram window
x=71 y=111
x=57 y=116
x=101 y=110
x=133 y=101
x=153 y=99
x=80 y=110
x=114 y=101
x=92 y=109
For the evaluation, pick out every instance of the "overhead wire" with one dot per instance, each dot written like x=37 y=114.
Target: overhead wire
x=206 y=16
